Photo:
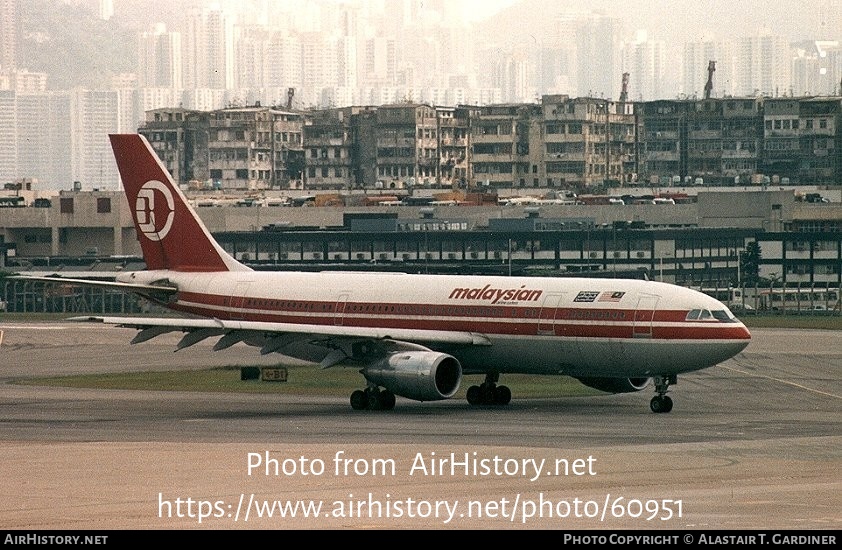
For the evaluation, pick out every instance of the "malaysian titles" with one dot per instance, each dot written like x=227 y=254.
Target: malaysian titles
x=494 y=295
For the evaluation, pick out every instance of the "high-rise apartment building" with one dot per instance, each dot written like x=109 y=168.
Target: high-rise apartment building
x=44 y=144
x=817 y=68
x=219 y=49
x=208 y=50
x=252 y=53
x=94 y=115
x=597 y=38
x=379 y=62
x=763 y=65
x=8 y=36
x=284 y=61
x=8 y=136
x=105 y=9
x=646 y=60
x=160 y=59
x=319 y=66
x=696 y=59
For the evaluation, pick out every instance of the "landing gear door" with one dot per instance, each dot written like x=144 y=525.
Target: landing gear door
x=644 y=315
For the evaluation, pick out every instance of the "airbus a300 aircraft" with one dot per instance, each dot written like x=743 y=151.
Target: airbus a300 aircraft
x=413 y=335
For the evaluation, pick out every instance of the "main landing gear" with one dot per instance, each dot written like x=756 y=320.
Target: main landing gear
x=373 y=399
x=489 y=393
x=662 y=403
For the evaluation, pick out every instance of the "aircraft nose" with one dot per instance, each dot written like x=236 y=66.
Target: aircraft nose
x=741 y=340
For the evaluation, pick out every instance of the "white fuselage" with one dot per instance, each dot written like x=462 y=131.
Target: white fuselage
x=574 y=326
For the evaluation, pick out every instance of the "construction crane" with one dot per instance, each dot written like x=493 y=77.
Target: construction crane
x=709 y=84
x=290 y=95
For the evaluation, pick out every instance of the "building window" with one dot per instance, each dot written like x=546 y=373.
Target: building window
x=103 y=205
x=66 y=205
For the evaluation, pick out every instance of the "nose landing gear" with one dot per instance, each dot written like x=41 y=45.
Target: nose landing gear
x=662 y=403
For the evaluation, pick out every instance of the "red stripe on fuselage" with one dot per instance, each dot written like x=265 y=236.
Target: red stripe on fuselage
x=503 y=320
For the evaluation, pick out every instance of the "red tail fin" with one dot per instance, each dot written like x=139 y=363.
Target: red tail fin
x=171 y=234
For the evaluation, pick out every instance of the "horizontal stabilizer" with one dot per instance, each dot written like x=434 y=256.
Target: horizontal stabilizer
x=159 y=292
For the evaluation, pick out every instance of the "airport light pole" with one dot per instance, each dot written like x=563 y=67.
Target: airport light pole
x=510 y=257
x=587 y=226
x=661 y=260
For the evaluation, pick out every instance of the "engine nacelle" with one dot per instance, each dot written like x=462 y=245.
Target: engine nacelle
x=419 y=375
x=616 y=385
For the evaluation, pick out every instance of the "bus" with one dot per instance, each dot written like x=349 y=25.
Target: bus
x=804 y=299
x=726 y=295
x=798 y=299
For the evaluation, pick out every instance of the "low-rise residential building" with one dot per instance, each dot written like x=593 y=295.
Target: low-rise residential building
x=561 y=142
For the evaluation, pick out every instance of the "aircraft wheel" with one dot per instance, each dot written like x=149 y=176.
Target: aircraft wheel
x=488 y=394
x=359 y=400
x=387 y=400
x=373 y=400
x=502 y=395
x=656 y=405
x=474 y=395
x=661 y=404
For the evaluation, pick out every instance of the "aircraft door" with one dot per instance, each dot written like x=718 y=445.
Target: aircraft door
x=643 y=316
x=339 y=311
x=548 y=314
x=238 y=300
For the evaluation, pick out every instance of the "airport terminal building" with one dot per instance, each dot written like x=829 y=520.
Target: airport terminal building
x=723 y=240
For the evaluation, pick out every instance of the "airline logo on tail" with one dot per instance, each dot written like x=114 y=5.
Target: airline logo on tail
x=179 y=243
x=145 y=209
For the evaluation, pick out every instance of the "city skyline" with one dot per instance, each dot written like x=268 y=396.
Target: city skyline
x=210 y=55
x=431 y=47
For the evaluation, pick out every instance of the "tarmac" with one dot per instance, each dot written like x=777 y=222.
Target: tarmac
x=754 y=443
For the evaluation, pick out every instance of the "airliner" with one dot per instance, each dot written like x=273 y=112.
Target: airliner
x=412 y=335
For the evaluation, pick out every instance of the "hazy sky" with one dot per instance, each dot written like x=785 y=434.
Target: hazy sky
x=475 y=9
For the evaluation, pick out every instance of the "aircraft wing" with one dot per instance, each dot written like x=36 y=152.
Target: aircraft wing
x=339 y=340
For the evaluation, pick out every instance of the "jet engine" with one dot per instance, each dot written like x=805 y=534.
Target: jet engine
x=616 y=385
x=419 y=375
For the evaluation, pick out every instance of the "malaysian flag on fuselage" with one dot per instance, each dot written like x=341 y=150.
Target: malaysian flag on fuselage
x=611 y=296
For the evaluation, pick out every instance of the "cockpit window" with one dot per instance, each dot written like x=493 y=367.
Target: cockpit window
x=722 y=315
